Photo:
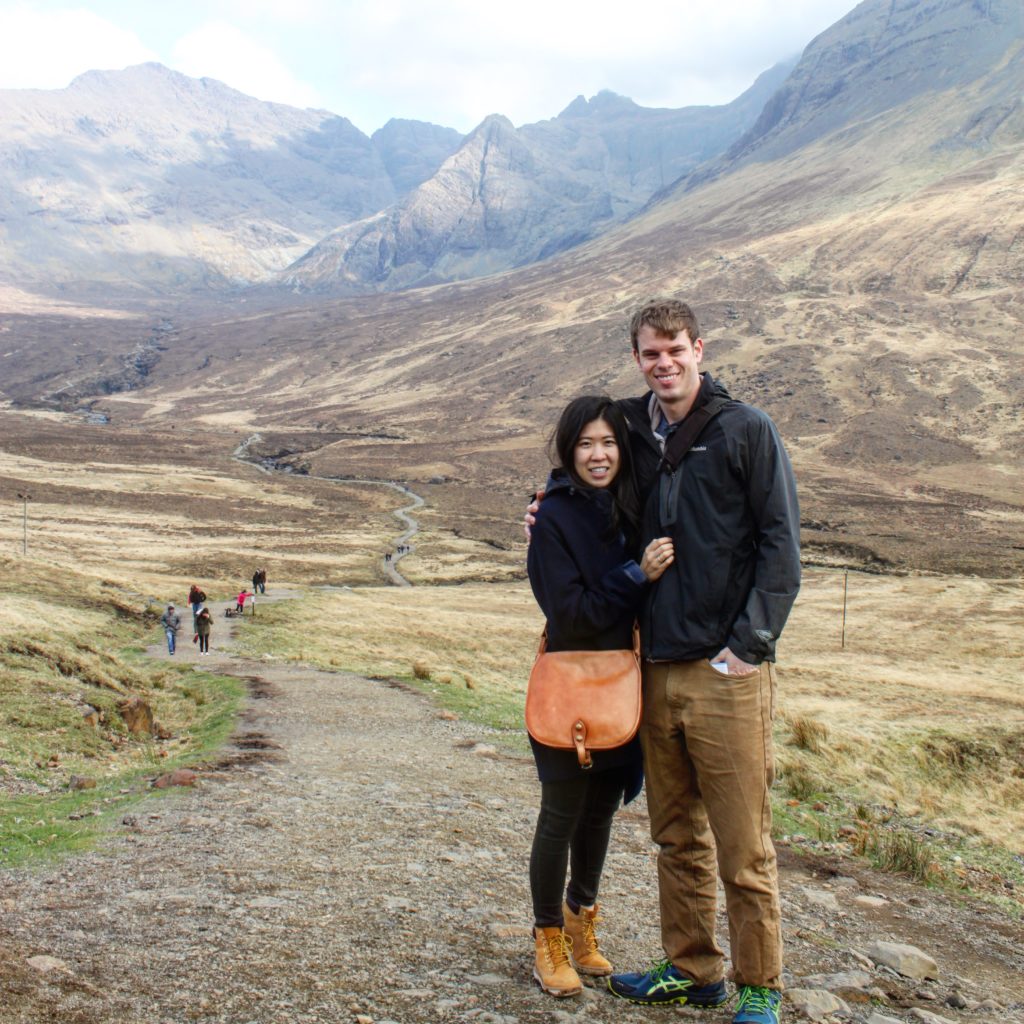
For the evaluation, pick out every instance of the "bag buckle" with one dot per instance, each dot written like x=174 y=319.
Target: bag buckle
x=579 y=739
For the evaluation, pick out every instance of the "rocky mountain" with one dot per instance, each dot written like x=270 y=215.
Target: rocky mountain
x=150 y=179
x=511 y=196
x=882 y=57
x=413 y=150
x=865 y=287
x=146 y=180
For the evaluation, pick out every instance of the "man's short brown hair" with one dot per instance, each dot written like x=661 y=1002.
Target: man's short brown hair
x=667 y=317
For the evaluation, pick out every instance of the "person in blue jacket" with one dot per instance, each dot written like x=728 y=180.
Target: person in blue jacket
x=590 y=588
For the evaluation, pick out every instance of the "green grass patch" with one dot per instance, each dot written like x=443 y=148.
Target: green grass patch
x=498 y=710
x=71 y=653
x=891 y=842
x=56 y=820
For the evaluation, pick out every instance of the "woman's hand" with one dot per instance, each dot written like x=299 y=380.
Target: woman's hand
x=530 y=519
x=658 y=556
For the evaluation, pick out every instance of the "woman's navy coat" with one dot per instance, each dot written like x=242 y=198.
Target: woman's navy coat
x=589 y=589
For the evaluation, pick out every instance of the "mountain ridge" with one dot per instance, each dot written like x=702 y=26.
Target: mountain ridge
x=561 y=182
x=147 y=181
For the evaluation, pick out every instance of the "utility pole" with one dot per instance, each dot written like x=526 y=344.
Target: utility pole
x=846 y=578
x=25 y=498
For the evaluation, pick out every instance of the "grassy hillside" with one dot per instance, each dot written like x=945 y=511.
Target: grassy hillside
x=70 y=658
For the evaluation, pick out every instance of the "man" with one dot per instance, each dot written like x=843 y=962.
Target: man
x=709 y=630
x=171 y=622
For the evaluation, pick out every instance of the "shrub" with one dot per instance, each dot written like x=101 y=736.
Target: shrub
x=898 y=850
x=807 y=734
x=800 y=782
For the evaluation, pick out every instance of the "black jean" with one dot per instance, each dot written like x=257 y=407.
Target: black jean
x=573 y=829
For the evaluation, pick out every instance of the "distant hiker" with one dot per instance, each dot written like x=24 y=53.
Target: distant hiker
x=204 y=623
x=196 y=598
x=171 y=621
x=259 y=581
x=590 y=590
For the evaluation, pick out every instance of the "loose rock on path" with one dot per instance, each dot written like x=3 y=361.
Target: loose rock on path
x=356 y=855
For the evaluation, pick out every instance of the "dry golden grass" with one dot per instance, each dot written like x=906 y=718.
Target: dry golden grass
x=921 y=712
x=22 y=616
x=164 y=525
x=485 y=631
x=923 y=707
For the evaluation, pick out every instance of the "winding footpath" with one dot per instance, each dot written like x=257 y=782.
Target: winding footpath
x=390 y=558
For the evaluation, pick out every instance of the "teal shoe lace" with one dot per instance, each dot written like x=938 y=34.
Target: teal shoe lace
x=759 y=1001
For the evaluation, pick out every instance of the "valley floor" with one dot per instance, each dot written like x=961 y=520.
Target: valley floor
x=357 y=855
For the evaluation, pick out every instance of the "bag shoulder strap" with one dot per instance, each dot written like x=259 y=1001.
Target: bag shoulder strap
x=543 y=645
x=685 y=435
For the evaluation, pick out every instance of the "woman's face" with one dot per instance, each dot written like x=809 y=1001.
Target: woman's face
x=596 y=454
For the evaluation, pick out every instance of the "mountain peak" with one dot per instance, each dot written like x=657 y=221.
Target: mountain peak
x=149 y=72
x=493 y=125
x=604 y=102
x=153 y=80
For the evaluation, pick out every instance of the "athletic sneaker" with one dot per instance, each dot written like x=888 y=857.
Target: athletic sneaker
x=664 y=983
x=757 y=1005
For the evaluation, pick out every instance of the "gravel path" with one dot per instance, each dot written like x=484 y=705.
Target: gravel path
x=355 y=855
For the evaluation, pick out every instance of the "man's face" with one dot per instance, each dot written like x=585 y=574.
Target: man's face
x=671 y=367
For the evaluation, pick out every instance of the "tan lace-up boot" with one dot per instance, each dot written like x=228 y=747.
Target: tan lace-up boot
x=551 y=967
x=585 y=955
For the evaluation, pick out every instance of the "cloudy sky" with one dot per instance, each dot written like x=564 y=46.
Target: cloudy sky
x=451 y=62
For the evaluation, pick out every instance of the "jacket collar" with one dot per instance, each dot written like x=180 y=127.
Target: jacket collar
x=645 y=416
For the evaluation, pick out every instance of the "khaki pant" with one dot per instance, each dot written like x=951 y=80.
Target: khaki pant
x=707 y=741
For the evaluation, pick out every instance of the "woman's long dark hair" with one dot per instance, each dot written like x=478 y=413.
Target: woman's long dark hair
x=562 y=449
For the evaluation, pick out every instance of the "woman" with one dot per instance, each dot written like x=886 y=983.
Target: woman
x=204 y=623
x=589 y=589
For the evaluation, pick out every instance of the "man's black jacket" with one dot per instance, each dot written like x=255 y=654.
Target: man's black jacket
x=731 y=509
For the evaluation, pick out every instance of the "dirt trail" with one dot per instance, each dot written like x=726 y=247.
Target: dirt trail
x=354 y=855
x=390 y=558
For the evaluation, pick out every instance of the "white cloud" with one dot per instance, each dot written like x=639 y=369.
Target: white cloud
x=457 y=61
x=223 y=51
x=448 y=61
x=46 y=49
x=289 y=11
